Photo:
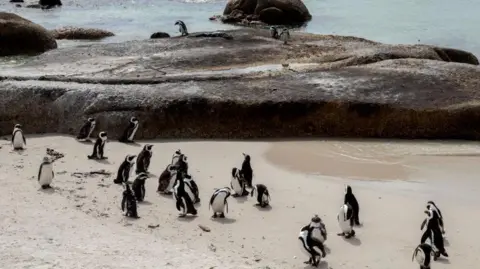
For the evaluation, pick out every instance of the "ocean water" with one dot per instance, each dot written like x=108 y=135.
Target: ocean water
x=440 y=22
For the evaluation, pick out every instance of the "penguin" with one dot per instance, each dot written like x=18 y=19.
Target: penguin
x=352 y=201
x=86 y=130
x=183 y=201
x=246 y=172
x=218 y=202
x=124 y=170
x=238 y=183
x=433 y=232
x=422 y=254
x=138 y=186
x=263 y=196
x=312 y=247
x=176 y=156
x=181 y=163
x=143 y=159
x=317 y=229
x=191 y=188
x=434 y=207
x=167 y=180
x=129 y=204
x=99 y=147
x=18 y=139
x=344 y=219
x=285 y=35
x=182 y=28
x=45 y=173
x=274 y=32
x=130 y=131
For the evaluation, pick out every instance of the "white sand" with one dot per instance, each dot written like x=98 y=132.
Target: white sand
x=80 y=224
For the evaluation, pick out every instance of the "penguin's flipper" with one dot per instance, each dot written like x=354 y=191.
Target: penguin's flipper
x=24 y=140
x=39 y=172
x=423 y=224
x=124 y=200
x=226 y=205
x=53 y=174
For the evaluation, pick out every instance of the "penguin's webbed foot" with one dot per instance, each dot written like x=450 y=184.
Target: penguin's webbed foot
x=214 y=215
x=182 y=215
x=222 y=215
x=46 y=187
x=235 y=195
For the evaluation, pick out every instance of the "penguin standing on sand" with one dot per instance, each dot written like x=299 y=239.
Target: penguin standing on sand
x=317 y=229
x=345 y=222
x=434 y=207
x=129 y=133
x=124 y=170
x=191 y=188
x=138 y=186
x=18 y=139
x=263 y=196
x=285 y=36
x=45 y=173
x=246 y=172
x=274 y=32
x=238 y=183
x=99 y=147
x=422 y=254
x=218 y=202
x=86 y=130
x=182 y=28
x=312 y=247
x=433 y=232
x=129 y=204
x=352 y=201
x=183 y=201
x=167 y=180
x=143 y=159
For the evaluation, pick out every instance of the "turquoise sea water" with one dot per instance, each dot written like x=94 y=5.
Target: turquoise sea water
x=439 y=22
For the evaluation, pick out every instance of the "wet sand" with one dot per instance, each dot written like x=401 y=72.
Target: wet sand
x=79 y=223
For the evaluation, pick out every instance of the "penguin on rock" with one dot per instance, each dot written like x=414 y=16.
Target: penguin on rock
x=86 y=130
x=18 y=139
x=130 y=131
x=124 y=170
x=99 y=147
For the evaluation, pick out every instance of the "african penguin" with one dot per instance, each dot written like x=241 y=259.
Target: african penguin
x=18 y=139
x=124 y=170
x=167 y=180
x=274 y=32
x=129 y=204
x=238 y=183
x=317 y=229
x=433 y=232
x=285 y=35
x=246 y=172
x=143 y=159
x=263 y=196
x=45 y=173
x=352 y=201
x=422 y=254
x=138 y=186
x=345 y=222
x=218 y=202
x=434 y=207
x=176 y=156
x=129 y=133
x=313 y=248
x=184 y=202
x=191 y=188
x=86 y=130
x=179 y=161
x=182 y=28
x=99 y=147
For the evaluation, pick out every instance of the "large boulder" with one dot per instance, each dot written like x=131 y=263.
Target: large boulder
x=21 y=36
x=80 y=33
x=286 y=12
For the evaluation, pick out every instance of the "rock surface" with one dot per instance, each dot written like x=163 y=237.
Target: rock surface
x=160 y=35
x=21 y=36
x=208 y=87
x=80 y=33
x=285 y=12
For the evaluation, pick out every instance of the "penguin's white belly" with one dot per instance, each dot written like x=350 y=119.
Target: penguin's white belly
x=18 y=140
x=302 y=238
x=317 y=234
x=46 y=175
x=344 y=224
x=171 y=183
x=189 y=192
x=265 y=198
x=237 y=187
x=133 y=132
x=219 y=203
x=420 y=256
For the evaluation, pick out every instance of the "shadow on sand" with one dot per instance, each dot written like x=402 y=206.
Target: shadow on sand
x=187 y=218
x=224 y=220
x=321 y=265
x=266 y=208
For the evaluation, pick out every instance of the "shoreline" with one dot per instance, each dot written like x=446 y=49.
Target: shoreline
x=248 y=238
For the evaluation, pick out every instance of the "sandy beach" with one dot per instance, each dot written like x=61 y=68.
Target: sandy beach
x=79 y=223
